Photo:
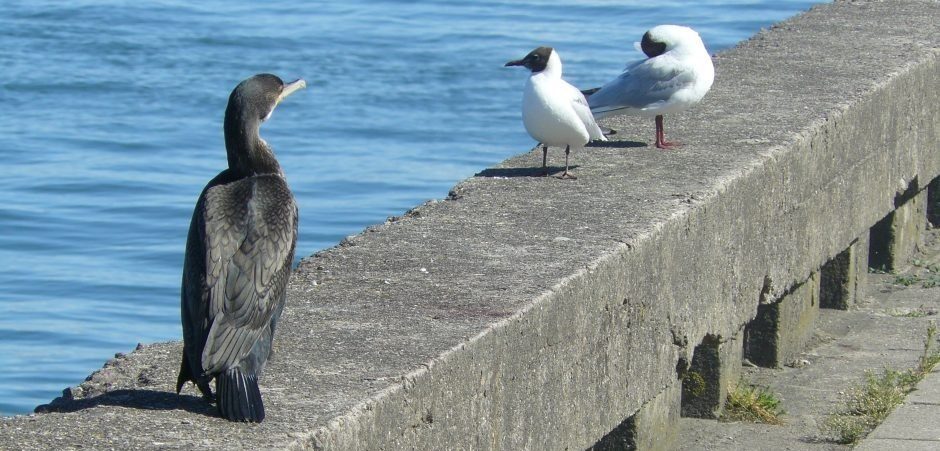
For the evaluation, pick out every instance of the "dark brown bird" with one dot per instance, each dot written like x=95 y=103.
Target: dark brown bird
x=238 y=258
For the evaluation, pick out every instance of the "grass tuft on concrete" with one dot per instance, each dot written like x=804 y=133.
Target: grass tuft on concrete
x=929 y=279
x=919 y=312
x=869 y=403
x=931 y=355
x=747 y=402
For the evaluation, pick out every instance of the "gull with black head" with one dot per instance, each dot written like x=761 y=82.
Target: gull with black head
x=676 y=74
x=554 y=112
x=238 y=258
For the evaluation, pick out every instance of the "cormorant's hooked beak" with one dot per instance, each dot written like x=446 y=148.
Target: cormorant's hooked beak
x=515 y=63
x=291 y=88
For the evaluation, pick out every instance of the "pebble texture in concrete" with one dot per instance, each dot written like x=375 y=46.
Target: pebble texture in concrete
x=536 y=313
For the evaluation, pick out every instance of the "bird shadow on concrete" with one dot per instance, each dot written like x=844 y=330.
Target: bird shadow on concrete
x=134 y=399
x=536 y=171
x=617 y=143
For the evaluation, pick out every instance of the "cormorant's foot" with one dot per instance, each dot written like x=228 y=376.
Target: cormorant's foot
x=206 y=392
x=567 y=176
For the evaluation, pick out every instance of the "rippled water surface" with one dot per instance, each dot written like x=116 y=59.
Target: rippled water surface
x=111 y=125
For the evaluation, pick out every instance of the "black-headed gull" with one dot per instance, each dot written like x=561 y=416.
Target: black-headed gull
x=676 y=75
x=554 y=112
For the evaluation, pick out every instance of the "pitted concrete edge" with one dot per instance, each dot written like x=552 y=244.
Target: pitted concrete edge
x=535 y=313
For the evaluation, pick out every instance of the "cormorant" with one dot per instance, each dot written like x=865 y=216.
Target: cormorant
x=238 y=258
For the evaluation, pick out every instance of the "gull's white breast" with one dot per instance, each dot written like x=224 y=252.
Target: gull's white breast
x=548 y=114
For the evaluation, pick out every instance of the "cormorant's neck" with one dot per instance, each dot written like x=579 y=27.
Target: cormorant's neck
x=248 y=154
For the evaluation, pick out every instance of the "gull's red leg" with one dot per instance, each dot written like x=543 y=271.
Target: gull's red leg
x=661 y=135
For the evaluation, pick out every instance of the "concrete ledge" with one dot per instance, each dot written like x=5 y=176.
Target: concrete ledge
x=535 y=313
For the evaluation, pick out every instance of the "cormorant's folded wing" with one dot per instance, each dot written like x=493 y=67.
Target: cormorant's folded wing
x=250 y=231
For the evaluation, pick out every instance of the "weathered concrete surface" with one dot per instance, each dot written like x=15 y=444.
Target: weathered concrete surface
x=701 y=390
x=730 y=353
x=716 y=366
x=842 y=279
x=782 y=328
x=548 y=311
x=654 y=427
x=879 y=332
x=933 y=203
x=896 y=237
x=913 y=426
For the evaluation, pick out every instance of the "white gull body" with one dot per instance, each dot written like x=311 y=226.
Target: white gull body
x=676 y=75
x=553 y=111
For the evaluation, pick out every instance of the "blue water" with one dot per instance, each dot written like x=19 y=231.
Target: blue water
x=111 y=125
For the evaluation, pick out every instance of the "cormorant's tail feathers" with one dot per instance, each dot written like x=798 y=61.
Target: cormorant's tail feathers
x=238 y=396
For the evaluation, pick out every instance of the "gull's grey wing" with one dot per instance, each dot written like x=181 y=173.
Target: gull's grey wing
x=580 y=105
x=250 y=234
x=643 y=84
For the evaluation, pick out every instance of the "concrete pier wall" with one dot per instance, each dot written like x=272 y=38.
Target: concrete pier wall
x=535 y=313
